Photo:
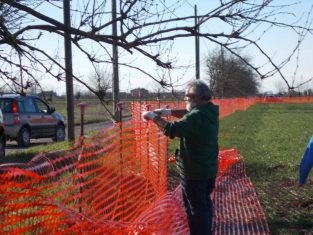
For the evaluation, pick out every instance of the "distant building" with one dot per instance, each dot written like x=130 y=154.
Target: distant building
x=139 y=93
x=47 y=95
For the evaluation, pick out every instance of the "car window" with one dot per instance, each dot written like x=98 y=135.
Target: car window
x=20 y=107
x=29 y=105
x=6 y=105
x=42 y=107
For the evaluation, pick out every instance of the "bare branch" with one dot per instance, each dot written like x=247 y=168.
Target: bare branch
x=147 y=30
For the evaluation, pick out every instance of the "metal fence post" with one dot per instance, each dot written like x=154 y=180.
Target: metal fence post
x=120 y=109
x=82 y=107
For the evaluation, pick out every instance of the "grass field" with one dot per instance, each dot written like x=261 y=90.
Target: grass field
x=95 y=111
x=271 y=139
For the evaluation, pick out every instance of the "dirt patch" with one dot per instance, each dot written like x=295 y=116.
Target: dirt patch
x=301 y=203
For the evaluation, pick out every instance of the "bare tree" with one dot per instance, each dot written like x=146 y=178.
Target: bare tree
x=147 y=29
x=230 y=76
x=101 y=81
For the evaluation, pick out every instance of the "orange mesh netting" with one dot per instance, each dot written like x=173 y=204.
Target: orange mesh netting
x=236 y=206
x=115 y=182
x=304 y=99
x=97 y=199
x=100 y=187
x=226 y=106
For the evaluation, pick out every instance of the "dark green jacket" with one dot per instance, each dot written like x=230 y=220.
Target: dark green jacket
x=198 y=130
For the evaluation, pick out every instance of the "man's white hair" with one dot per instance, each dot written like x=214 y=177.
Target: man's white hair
x=201 y=89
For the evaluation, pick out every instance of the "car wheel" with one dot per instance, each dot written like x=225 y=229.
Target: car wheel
x=23 y=139
x=59 y=133
x=2 y=147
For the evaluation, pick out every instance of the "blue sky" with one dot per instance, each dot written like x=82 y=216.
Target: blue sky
x=276 y=43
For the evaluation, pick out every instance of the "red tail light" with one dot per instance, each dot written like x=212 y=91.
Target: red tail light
x=16 y=117
x=14 y=107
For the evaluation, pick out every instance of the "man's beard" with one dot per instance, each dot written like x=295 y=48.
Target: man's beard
x=190 y=105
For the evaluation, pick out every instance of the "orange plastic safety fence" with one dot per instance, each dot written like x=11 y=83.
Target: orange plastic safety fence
x=226 y=106
x=237 y=209
x=236 y=206
x=106 y=186
x=303 y=99
x=100 y=187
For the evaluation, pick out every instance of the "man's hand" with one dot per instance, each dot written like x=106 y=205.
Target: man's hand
x=148 y=115
x=163 y=112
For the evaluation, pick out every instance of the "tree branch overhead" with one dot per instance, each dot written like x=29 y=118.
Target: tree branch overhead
x=147 y=29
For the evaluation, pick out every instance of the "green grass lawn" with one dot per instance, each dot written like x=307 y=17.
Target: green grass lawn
x=272 y=138
x=94 y=112
x=24 y=156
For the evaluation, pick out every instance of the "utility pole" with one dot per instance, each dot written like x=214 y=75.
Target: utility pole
x=115 y=79
x=21 y=73
x=222 y=70
x=68 y=72
x=197 y=45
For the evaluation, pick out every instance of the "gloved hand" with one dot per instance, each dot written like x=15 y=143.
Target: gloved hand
x=148 y=115
x=163 y=112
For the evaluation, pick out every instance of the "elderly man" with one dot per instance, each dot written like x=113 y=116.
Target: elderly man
x=197 y=160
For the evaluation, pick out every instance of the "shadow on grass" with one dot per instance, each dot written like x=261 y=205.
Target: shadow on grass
x=21 y=157
x=24 y=155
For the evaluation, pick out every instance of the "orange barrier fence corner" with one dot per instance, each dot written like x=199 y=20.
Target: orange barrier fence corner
x=226 y=158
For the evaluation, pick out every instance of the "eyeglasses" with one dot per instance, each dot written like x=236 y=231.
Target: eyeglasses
x=190 y=96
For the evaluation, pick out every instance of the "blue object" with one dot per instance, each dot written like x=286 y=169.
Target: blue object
x=306 y=163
